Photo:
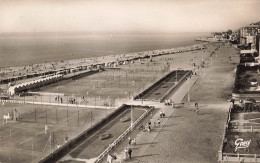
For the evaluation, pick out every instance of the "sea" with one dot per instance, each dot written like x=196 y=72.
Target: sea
x=27 y=49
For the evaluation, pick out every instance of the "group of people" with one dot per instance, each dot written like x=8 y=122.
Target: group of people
x=128 y=153
x=150 y=124
x=168 y=102
x=59 y=99
x=72 y=100
x=131 y=141
x=162 y=114
x=13 y=115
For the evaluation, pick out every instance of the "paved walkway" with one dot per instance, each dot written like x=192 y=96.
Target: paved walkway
x=145 y=139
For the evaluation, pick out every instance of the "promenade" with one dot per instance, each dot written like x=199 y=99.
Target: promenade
x=184 y=136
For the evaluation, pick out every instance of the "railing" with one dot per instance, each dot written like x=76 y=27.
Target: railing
x=224 y=135
x=239 y=157
x=244 y=128
x=174 y=86
x=137 y=97
x=13 y=101
x=117 y=141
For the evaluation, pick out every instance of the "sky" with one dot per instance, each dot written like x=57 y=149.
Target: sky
x=141 y=16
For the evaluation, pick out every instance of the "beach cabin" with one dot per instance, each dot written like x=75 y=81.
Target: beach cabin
x=23 y=87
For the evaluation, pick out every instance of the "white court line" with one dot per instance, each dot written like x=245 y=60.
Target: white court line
x=25 y=141
x=8 y=136
x=40 y=133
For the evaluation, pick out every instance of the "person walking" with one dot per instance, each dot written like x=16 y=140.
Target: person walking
x=197 y=108
x=196 y=105
x=46 y=129
x=134 y=141
x=197 y=111
x=129 y=140
x=159 y=122
x=161 y=114
x=149 y=126
x=130 y=153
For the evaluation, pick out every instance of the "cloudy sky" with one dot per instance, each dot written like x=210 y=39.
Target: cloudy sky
x=160 y=16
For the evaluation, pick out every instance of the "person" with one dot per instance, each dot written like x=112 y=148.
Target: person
x=161 y=114
x=58 y=146
x=232 y=101
x=46 y=128
x=142 y=127
x=134 y=141
x=14 y=115
x=149 y=126
x=66 y=138
x=129 y=140
x=197 y=110
x=61 y=100
x=158 y=121
x=172 y=104
x=126 y=153
x=196 y=105
x=166 y=102
x=111 y=157
x=130 y=153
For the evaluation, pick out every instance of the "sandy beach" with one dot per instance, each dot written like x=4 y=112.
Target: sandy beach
x=9 y=72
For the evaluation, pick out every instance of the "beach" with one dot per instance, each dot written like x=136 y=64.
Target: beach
x=25 y=49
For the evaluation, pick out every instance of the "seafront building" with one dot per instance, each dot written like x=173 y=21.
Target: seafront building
x=258 y=42
x=247 y=34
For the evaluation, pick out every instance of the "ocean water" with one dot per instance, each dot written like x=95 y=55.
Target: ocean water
x=32 y=49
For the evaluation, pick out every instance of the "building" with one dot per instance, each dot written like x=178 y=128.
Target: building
x=258 y=42
x=244 y=32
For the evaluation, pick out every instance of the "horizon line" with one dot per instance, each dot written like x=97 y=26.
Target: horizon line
x=92 y=33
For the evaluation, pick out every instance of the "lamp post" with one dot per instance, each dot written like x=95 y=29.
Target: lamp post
x=143 y=82
x=132 y=116
x=176 y=75
x=87 y=99
x=189 y=88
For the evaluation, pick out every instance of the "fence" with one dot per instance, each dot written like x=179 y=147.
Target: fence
x=121 y=137
x=232 y=157
x=225 y=134
x=174 y=86
x=28 y=133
